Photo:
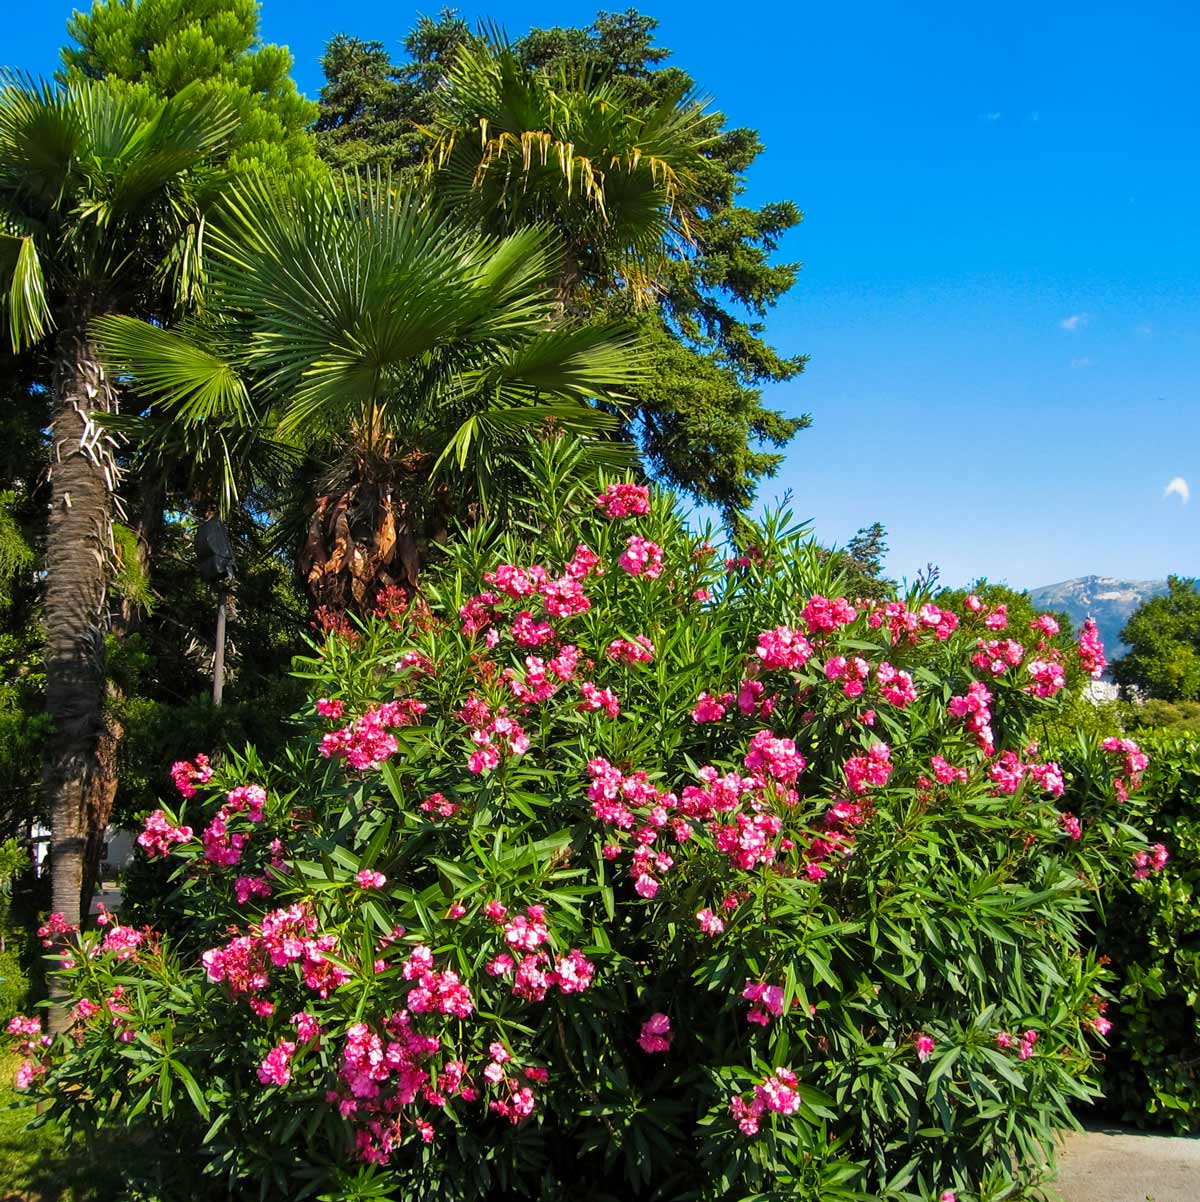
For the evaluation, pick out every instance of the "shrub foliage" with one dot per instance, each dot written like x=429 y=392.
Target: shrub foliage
x=1153 y=1075
x=609 y=869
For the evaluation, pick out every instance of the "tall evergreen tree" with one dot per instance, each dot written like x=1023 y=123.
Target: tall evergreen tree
x=154 y=48
x=699 y=421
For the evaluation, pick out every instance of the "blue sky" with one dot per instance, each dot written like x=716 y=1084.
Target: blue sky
x=1001 y=285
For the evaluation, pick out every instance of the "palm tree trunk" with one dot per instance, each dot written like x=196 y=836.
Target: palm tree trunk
x=78 y=558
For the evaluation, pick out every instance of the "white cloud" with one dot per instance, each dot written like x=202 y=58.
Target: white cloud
x=1075 y=322
x=1178 y=487
x=1145 y=329
x=1083 y=361
x=990 y=116
x=1034 y=115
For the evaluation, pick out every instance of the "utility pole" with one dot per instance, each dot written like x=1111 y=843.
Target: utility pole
x=215 y=555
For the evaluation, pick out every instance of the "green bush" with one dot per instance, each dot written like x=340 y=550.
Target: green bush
x=14 y=985
x=614 y=871
x=1152 y=934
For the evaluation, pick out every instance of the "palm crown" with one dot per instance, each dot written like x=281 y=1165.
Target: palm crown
x=356 y=318
x=511 y=147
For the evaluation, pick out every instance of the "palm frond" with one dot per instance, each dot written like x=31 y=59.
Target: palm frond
x=29 y=316
x=172 y=370
x=41 y=139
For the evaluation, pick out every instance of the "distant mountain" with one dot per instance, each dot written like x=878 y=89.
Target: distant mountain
x=1110 y=601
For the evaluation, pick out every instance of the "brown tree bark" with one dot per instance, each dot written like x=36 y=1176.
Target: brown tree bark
x=78 y=559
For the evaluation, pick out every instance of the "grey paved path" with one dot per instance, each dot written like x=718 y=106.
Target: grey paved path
x=1111 y=1164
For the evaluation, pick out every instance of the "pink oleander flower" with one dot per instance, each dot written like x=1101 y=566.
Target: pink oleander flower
x=974 y=707
x=942 y=622
x=594 y=699
x=1145 y=862
x=783 y=647
x=1071 y=826
x=707 y=709
x=246 y=887
x=122 y=942
x=500 y=966
x=84 y=1009
x=276 y=1068
x=585 y=562
x=455 y=911
x=1091 y=650
x=778 y=1092
x=1134 y=762
x=329 y=707
x=924 y=1046
x=483 y=759
x=307 y=1027
x=631 y=651
x=853 y=672
x=656 y=1034
x=564 y=598
x=623 y=500
x=1100 y=1024
x=527 y=632
x=367 y=742
x=187 y=775
x=1045 y=625
x=709 y=922
x=766 y=1002
x=437 y=806
x=997 y=619
x=28 y=1072
x=1048 y=678
x=776 y=757
x=517 y=582
x=527 y=931
x=1025 y=1047
x=871 y=770
x=1005 y=1039
x=948 y=1195
x=946 y=773
x=895 y=686
x=160 y=834
x=368 y=878
x=573 y=972
x=221 y=846
x=641 y=557
x=824 y=616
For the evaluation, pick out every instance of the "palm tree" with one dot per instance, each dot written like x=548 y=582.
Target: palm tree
x=100 y=213
x=407 y=355
x=511 y=147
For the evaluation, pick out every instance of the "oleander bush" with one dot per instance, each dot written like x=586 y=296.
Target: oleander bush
x=606 y=869
x=1152 y=933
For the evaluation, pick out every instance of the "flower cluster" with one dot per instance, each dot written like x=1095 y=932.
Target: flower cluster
x=186 y=776
x=872 y=770
x=656 y=1034
x=1091 y=650
x=783 y=648
x=1146 y=862
x=1134 y=761
x=975 y=707
x=766 y=1002
x=641 y=557
x=367 y=741
x=777 y=1094
x=160 y=834
x=623 y=500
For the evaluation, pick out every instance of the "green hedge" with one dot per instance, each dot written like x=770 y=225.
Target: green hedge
x=1152 y=933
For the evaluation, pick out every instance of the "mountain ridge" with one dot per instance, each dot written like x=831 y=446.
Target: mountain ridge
x=1110 y=600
